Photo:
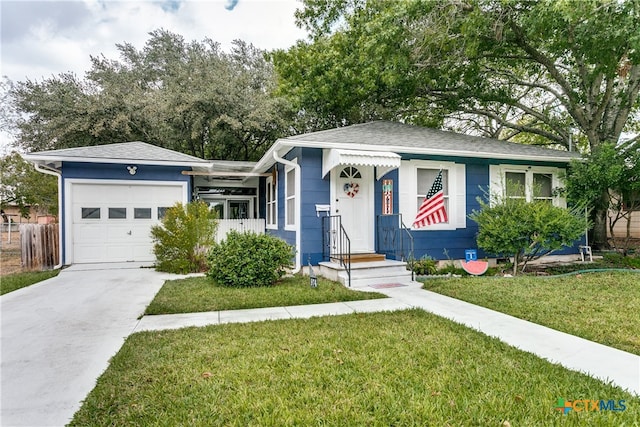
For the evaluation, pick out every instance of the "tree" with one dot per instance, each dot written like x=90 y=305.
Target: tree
x=608 y=180
x=182 y=240
x=23 y=186
x=557 y=72
x=525 y=230
x=186 y=96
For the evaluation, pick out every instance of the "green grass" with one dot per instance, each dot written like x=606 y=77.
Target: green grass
x=379 y=369
x=198 y=294
x=601 y=307
x=16 y=281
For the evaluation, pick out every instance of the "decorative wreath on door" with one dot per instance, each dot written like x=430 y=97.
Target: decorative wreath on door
x=351 y=189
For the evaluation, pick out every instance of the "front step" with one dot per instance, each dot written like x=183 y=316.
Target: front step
x=372 y=257
x=364 y=274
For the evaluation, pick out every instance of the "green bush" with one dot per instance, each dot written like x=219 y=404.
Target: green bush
x=425 y=266
x=525 y=231
x=182 y=240
x=249 y=259
x=620 y=261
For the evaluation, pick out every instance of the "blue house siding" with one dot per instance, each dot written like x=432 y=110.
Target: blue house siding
x=445 y=244
x=438 y=244
x=315 y=190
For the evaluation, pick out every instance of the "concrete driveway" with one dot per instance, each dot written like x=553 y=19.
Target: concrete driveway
x=58 y=336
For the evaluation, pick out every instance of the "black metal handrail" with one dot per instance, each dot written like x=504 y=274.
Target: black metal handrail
x=394 y=239
x=336 y=244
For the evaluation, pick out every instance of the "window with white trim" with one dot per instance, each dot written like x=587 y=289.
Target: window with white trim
x=425 y=179
x=290 y=197
x=272 y=201
x=531 y=183
x=415 y=178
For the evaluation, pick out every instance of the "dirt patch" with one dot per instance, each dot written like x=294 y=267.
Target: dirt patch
x=10 y=260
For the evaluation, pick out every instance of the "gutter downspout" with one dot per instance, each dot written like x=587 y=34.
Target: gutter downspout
x=296 y=166
x=60 y=236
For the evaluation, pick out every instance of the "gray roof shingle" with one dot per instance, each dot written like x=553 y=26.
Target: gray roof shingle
x=406 y=138
x=136 y=151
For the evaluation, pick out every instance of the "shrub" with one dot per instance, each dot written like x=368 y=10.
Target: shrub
x=249 y=259
x=425 y=266
x=525 y=231
x=182 y=240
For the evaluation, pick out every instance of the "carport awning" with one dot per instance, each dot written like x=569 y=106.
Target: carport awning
x=384 y=161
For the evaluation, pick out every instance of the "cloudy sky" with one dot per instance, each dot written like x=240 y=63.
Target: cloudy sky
x=45 y=38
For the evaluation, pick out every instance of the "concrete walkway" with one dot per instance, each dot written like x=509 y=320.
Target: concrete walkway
x=599 y=361
x=58 y=336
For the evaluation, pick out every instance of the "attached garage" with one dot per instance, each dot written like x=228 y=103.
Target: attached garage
x=111 y=196
x=111 y=221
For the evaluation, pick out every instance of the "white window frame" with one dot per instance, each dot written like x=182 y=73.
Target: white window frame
x=272 y=219
x=497 y=182
x=290 y=223
x=408 y=193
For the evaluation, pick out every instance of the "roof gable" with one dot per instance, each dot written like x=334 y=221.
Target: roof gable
x=126 y=152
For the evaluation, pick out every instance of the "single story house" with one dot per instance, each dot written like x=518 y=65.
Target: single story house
x=353 y=189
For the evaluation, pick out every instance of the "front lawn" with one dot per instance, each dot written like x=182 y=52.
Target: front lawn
x=602 y=307
x=16 y=281
x=196 y=294
x=378 y=369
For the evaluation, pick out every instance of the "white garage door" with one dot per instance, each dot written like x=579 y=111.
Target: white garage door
x=112 y=222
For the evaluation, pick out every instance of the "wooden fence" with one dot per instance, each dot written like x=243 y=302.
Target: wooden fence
x=39 y=246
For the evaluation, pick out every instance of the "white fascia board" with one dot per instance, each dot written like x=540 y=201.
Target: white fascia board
x=267 y=160
x=48 y=159
x=425 y=151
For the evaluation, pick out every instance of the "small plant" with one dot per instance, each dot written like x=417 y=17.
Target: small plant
x=617 y=260
x=452 y=269
x=182 y=240
x=425 y=266
x=249 y=259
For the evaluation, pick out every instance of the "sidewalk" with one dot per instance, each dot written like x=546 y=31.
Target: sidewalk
x=605 y=363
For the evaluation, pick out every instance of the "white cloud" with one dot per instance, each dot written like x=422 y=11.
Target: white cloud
x=45 y=38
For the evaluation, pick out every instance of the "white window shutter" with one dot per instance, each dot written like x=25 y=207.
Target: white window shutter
x=459 y=216
x=406 y=193
x=495 y=182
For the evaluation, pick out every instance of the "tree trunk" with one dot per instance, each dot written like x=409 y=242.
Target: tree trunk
x=599 y=238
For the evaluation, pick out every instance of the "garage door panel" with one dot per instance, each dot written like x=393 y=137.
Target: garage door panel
x=120 y=253
x=89 y=233
x=123 y=237
x=117 y=234
x=90 y=253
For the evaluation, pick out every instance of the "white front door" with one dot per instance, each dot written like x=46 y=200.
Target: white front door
x=352 y=199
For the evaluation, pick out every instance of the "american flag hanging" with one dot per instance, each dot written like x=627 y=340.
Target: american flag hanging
x=432 y=210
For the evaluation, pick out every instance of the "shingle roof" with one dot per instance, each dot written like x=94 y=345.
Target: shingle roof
x=133 y=152
x=406 y=138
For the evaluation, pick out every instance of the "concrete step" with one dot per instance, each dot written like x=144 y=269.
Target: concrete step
x=367 y=273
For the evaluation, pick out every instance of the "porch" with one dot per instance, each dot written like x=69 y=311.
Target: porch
x=389 y=264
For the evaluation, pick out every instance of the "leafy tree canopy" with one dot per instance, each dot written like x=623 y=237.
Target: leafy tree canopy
x=608 y=180
x=186 y=96
x=547 y=72
x=23 y=186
